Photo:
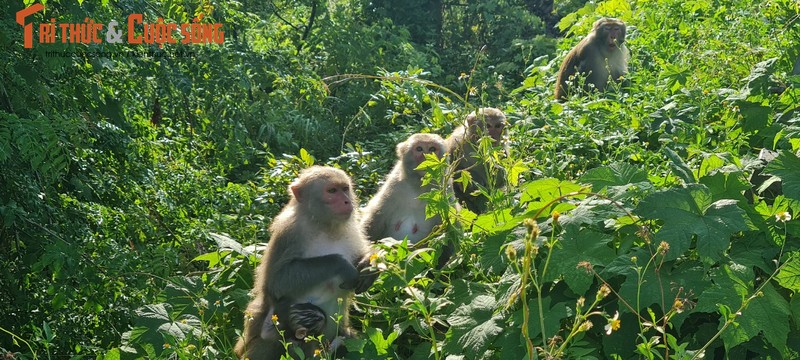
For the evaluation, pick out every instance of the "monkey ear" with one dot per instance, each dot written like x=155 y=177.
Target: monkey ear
x=401 y=149
x=300 y=333
x=295 y=189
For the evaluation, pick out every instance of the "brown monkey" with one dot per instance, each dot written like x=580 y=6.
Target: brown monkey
x=463 y=144
x=599 y=55
x=317 y=254
x=396 y=210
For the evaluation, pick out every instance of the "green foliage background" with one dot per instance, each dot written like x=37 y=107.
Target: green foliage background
x=136 y=190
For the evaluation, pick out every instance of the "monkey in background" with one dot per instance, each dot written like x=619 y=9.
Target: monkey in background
x=396 y=210
x=317 y=255
x=600 y=55
x=463 y=144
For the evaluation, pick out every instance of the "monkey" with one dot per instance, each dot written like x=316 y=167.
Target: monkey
x=396 y=210
x=297 y=321
x=317 y=254
x=463 y=144
x=599 y=55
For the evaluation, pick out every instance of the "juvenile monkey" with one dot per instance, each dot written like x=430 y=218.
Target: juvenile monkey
x=396 y=210
x=317 y=255
x=297 y=321
x=463 y=144
x=600 y=55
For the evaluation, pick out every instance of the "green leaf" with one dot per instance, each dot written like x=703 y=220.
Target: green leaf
x=730 y=284
x=381 y=344
x=515 y=171
x=541 y=192
x=755 y=116
x=789 y=275
x=617 y=174
x=767 y=313
x=475 y=325
x=787 y=167
x=688 y=212
x=660 y=287
x=726 y=185
x=579 y=244
x=679 y=167
x=308 y=160
x=113 y=354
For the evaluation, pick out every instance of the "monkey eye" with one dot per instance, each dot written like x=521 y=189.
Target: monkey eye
x=346 y=189
x=432 y=149
x=419 y=148
x=331 y=190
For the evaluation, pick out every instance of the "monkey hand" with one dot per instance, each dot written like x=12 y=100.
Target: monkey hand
x=349 y=274
x=366 y=273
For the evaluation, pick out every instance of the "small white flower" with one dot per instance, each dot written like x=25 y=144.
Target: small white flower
x=783 y=216
x=613 y=324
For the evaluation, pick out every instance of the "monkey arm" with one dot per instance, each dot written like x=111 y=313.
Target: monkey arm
x=375 y=225
x=298 y=275
x=366 y=274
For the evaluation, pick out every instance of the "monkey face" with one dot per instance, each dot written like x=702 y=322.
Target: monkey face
x=420 y=148
x=494 y=128
x=613 y=33
x=413 y=151
x=338 y=198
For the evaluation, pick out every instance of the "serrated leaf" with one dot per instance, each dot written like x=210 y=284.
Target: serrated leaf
x=579 y=244
x=660 y=287
x=225 y=242
x=767 y=314
x=787 y=167
x=688 y=212
x=789 y=275
x=542 y=191
x=475 y=325
x=728 y=288
x=617 y=174
x=679 y=167
x=755 y=116
x=726 y=185
x=515 y=171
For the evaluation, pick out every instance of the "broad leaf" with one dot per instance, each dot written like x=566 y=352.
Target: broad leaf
x=579 y=245
x=789 y=275
x=679 y=167
x=767 y=313
x=689 y=212
x=475 y=325
x=617 y=174
x=787 y=167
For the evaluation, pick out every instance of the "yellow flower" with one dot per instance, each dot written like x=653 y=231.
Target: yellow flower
x=783 y=216
x=275 y=319
x=678 y=306
x=556 y=215
x=317 y=352
x=613 y=324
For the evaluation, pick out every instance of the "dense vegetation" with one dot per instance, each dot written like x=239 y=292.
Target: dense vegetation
x=136 y=189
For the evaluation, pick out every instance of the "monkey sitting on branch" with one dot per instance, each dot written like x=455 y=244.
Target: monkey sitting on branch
x=600 y=55
x=317 y=255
